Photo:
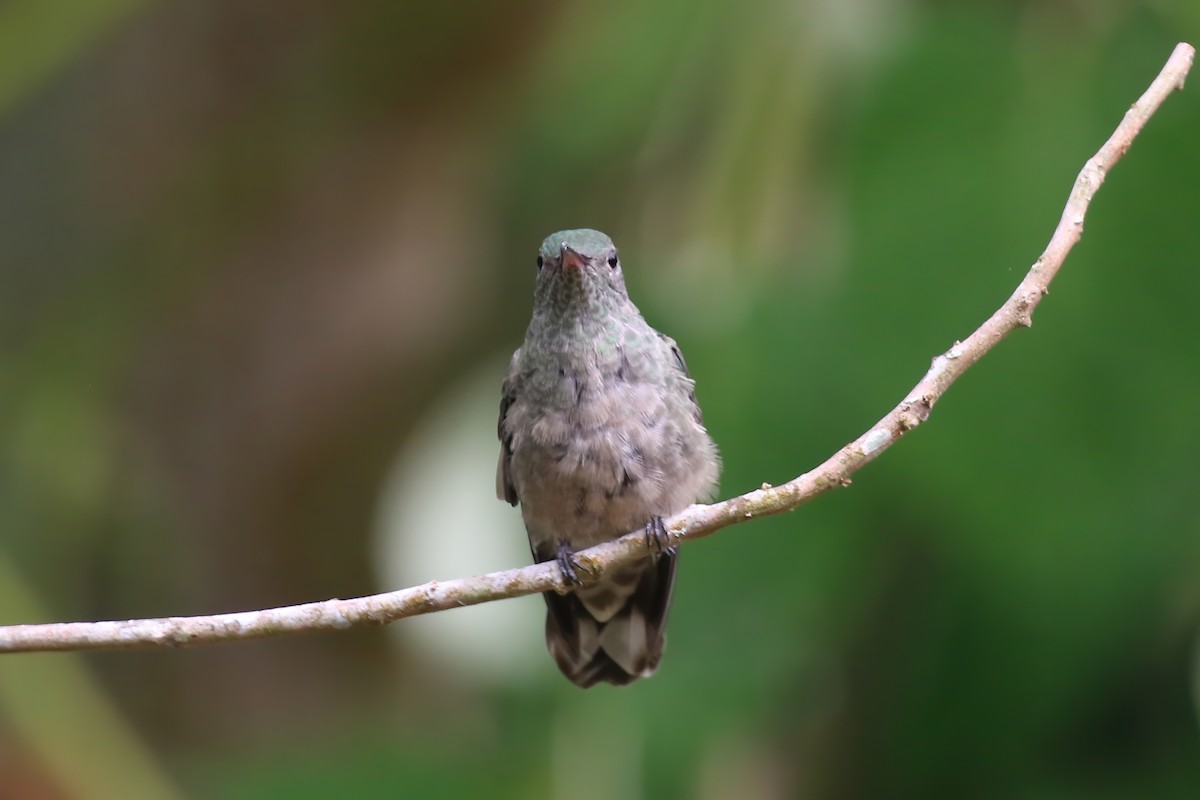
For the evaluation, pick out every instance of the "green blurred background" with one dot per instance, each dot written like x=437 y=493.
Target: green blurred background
x=261 y=267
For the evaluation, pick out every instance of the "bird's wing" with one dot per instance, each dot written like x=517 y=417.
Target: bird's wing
x=505 y=490
x=683 y=367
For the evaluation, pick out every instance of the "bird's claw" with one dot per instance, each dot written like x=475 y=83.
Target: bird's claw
x=658 y=538
x=567 y=565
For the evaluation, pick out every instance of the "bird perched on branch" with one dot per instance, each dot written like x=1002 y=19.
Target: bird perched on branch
x=600 y=435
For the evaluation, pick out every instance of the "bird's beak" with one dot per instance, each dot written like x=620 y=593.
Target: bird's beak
x=570 y=258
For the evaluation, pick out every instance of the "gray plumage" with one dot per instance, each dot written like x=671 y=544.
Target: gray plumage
x=600 y=435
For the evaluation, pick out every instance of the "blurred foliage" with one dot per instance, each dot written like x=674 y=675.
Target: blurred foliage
x=245 y=249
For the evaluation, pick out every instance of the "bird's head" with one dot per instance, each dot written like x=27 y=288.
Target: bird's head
x=579 y=270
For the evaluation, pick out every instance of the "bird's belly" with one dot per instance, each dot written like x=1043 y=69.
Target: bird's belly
x=585 y=484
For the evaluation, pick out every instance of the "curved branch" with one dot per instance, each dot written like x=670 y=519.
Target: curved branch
x=693 y=523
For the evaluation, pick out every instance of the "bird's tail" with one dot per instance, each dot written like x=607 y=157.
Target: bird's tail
x=613 y=630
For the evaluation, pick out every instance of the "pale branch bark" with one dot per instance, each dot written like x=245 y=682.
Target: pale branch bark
x=693 y=523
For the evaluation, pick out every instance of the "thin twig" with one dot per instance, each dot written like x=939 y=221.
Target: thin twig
x=693 y=523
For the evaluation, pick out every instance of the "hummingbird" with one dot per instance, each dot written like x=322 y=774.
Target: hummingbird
x=600 y=434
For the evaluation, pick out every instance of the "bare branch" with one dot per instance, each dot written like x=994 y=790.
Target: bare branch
x=693 y=523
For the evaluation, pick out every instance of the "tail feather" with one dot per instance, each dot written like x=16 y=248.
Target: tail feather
x=591 y=643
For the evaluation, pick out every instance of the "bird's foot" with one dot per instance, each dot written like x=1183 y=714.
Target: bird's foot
x=567 y=565
x=658 y=538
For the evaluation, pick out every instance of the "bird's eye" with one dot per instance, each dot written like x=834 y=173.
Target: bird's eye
x=612 y=260
x=541 y=263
